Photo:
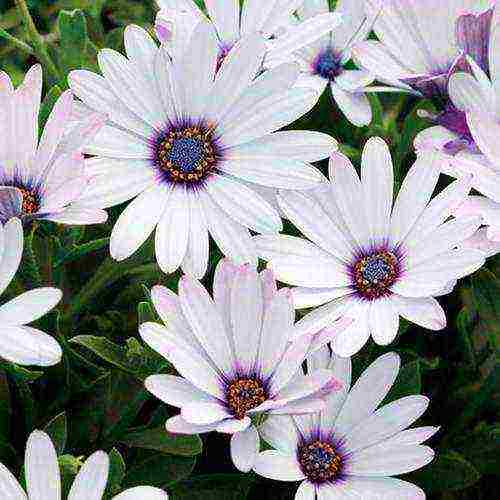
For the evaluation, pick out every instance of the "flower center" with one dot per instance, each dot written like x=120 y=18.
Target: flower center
x=245 y=394
x=374 y=274
x=327 y=65
x=187 y=154
x=319 y=461
x=31 y=200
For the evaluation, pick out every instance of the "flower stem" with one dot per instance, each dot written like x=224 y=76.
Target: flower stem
x=30 y=271
x=38 y=42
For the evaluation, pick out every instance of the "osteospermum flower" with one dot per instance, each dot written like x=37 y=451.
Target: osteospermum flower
x=177 y=20
x=233 y=357
x=370 y=260
x=418 y=53
x=187 y=141
x=352 y=448
x=43 y=480
x=20 y=343
x=42 y=179
x=325 y=61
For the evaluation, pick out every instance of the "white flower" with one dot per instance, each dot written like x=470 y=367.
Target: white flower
x=370 y=260
x=19 y=343
x=43 y=481
x=478 y=99
x=351 y=449
x=45 y=179
x=233 y=355
x=177 y=20
x=186 y=141
x=323 y=62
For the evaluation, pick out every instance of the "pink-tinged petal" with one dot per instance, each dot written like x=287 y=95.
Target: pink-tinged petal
x=177 y=425
x=368 y=392
x=168 y=307
x=306 y=406
x=485 y=131
x=425 y=312
x=11 y=201
x=204 y=413
x=480 y=241
x=275 y=465
x=326 y=335
x=350 y=340
x=244 y=448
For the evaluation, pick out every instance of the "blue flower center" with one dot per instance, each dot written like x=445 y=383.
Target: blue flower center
x=319 y=461
x=245 y=394
x=186 y=153
x=377 y=269
x=327 y=65
x=375 y=273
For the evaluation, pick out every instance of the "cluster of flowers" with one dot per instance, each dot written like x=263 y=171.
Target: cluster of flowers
x=188 y=131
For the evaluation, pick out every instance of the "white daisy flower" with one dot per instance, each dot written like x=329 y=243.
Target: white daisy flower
x=233 y=356
x=186 y=141
x=20 y=343
x=43 y=481
x=351 y=449
x=324 y=62
x=177 y=20
x=478 y=99
x=368 y=259
x=42 y=179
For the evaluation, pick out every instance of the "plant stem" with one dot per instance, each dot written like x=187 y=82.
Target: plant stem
x=16 y=42
x=38 y=42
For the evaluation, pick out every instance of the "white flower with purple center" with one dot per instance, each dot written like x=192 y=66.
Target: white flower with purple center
x=43 y=479
x=418 y=53
x=273 y=19
x=324 y=62
x=189 y=143
x=353 y=447
x=234 y=358
x=20 y=343
x=370 y=259
x=43 y=179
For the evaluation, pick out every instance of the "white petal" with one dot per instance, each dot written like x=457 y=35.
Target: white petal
x=275 y=465
x=244 y=205
x=341 y=368
x=225 y=14
x=204 y=413
x=414 y=195
x=113 y=142
x=9 y=486
x=306 y=491
x=244 y=448
x=378 y=180
x=205 y=320
x=313 y=297
x=414 y=436
x=177 y=425
x=384 y=460
x=142 y=492
x=175 y=391
x=280 y=432
x=233 y=425
x=91 y=479
x=29 y=306
x=467 y=94
x=355 y=105
x=137 y=222
x=167 y=306
x=41 y=468
x=246 y=316
x=28 y=346
x=368 y=392
x=12 y=252
x=386 y=422
x=384 y=321
x=388 y=488
x=425 y=312
x=485 y=131
x=172 y=233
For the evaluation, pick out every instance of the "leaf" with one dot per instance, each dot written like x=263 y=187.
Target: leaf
x=407 y=383
x=73 y=39
x=77 y=252
x=95 y=7
x=57 y=429
x=214 y=487
x=47 y=104
x=69 y=467
x=5 y=406
x=116 y=474
x=161 y=440
x=449 y=471
x=145 y=312
x=159 y=470
x=485 y=293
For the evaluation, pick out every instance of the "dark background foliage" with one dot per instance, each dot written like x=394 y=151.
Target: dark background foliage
x=95 y=398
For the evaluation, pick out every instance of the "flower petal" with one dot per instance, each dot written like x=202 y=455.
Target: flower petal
x=244 y=448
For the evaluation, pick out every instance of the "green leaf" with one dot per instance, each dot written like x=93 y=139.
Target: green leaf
x=214 y=487
x=73 y=39
x=77 y=252
x=159 y=470
x=69 y=467
x=57 y=429
x=20 y=373
x=145 y=312
x=116 y=473
x=5 y=406
x=485 y=293
x=161 y=440
x=448 y=471
x=47 y=104
x=95 y=7
x=407 y=383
